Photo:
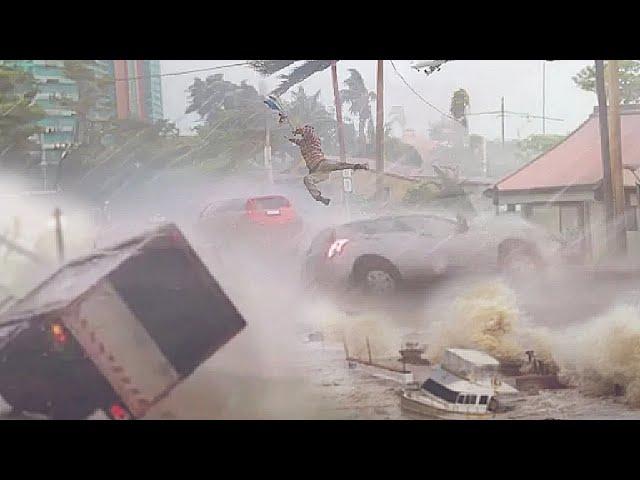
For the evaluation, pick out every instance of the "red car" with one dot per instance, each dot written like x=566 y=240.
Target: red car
x=269 y=219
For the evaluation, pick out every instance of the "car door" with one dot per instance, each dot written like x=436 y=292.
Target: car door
x=392 y=240
x=473 y=249
x=427 y=251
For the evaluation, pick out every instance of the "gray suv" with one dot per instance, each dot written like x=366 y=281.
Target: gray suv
x=381 y=254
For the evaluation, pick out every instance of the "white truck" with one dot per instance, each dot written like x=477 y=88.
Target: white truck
x=115 y=331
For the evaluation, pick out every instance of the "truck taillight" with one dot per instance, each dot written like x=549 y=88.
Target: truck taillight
x=58 y=332
x=337 y=247
x=118 y=412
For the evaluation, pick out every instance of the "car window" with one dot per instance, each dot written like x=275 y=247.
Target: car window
x=430 y=226
x=381 y=225
x=272 y=203
x=223 y=207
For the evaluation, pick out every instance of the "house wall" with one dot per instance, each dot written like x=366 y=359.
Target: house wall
x=564 y=218
x=364 y=184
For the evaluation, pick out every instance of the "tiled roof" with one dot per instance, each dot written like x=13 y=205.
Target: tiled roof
x=576 y=161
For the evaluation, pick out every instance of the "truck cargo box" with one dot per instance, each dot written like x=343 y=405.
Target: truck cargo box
x=120 y=327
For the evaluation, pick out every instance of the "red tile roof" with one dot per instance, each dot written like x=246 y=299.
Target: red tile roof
x=576 y=161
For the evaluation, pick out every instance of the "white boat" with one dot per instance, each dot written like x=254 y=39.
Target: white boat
x=464 y=386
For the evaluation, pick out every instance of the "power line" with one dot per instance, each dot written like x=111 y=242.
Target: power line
x=182 y=72
x=420 y=96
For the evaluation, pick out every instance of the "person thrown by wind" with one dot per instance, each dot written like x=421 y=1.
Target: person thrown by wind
x=319 y=167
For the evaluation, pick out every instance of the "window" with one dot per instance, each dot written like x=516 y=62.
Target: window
x=272 y=202
x=460 y=399
x=432 y=226
x=440 y=391
x=483 y=399
x=470 y=400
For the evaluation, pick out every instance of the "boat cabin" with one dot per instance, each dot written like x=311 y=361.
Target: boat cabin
x=471 y=365
x=454 y=394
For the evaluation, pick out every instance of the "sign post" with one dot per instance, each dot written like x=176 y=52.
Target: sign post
x=347 y=187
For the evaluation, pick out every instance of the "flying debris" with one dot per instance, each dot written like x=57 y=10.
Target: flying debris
x=428 y=66
x=274 y=104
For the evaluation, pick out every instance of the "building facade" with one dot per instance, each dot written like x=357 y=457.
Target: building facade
x=58 y=127
x=138 y=92
x=562 y=189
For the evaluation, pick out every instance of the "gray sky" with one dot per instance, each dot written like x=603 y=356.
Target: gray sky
x=520 y=82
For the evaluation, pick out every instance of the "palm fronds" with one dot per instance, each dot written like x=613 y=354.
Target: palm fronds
x=300 y=73
x=269 y=67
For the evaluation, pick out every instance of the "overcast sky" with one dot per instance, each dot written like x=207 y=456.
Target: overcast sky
x=520 y=82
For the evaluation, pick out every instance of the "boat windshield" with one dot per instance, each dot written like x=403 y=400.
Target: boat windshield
x=440 y=391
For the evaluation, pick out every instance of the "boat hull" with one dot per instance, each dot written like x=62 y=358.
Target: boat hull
x=415 y=406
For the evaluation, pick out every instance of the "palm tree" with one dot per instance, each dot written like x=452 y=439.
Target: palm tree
x=459 y=105
x=359 y=100
x=300 y=73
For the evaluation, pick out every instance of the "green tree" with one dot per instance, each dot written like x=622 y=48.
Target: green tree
x=94 y=89
x=359 y=99
x=138 y=151
x=234 y=119
x=629 y=75
x=18 y=113
x=535 y=145
x=459 y=105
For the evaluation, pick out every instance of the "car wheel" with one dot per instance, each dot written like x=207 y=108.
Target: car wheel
x=377 y=277
x=379 y=282
x=519 y=262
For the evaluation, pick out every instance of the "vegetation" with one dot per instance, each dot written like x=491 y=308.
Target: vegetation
x=18 y=115
x=94 y=89
x=536 y=145
x=299 y=73
x=629 y=79
x=459 y=106
x=359 y=99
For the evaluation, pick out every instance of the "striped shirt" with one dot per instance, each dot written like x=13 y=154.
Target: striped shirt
x=310 y=148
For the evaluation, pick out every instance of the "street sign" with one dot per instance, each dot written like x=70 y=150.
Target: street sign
x=348 y=185
x=347 y=173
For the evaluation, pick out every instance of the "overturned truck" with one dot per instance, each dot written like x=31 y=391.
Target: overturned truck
x=115 y=331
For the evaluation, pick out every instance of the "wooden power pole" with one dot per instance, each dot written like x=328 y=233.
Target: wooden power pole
x=615 y=156
x=379 y=128
x=502 y=118
x=607 y=189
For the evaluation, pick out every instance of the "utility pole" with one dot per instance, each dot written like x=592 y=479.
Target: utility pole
x=43 y=162
x=544 y=65
x=615 y=156
x=57 y=215
x=267 y=140
x=502 y=113
x=607 y=188
x=338 y=105
x=379 y=128
x=267 y=154
x=502 y=118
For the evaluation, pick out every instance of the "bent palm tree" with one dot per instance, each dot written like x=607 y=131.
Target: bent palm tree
x=300 y=73
x=359 y=100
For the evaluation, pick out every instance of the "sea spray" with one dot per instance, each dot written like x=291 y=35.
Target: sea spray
x=605 y=353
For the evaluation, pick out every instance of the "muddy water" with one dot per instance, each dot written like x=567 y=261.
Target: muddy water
x=270 y=371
